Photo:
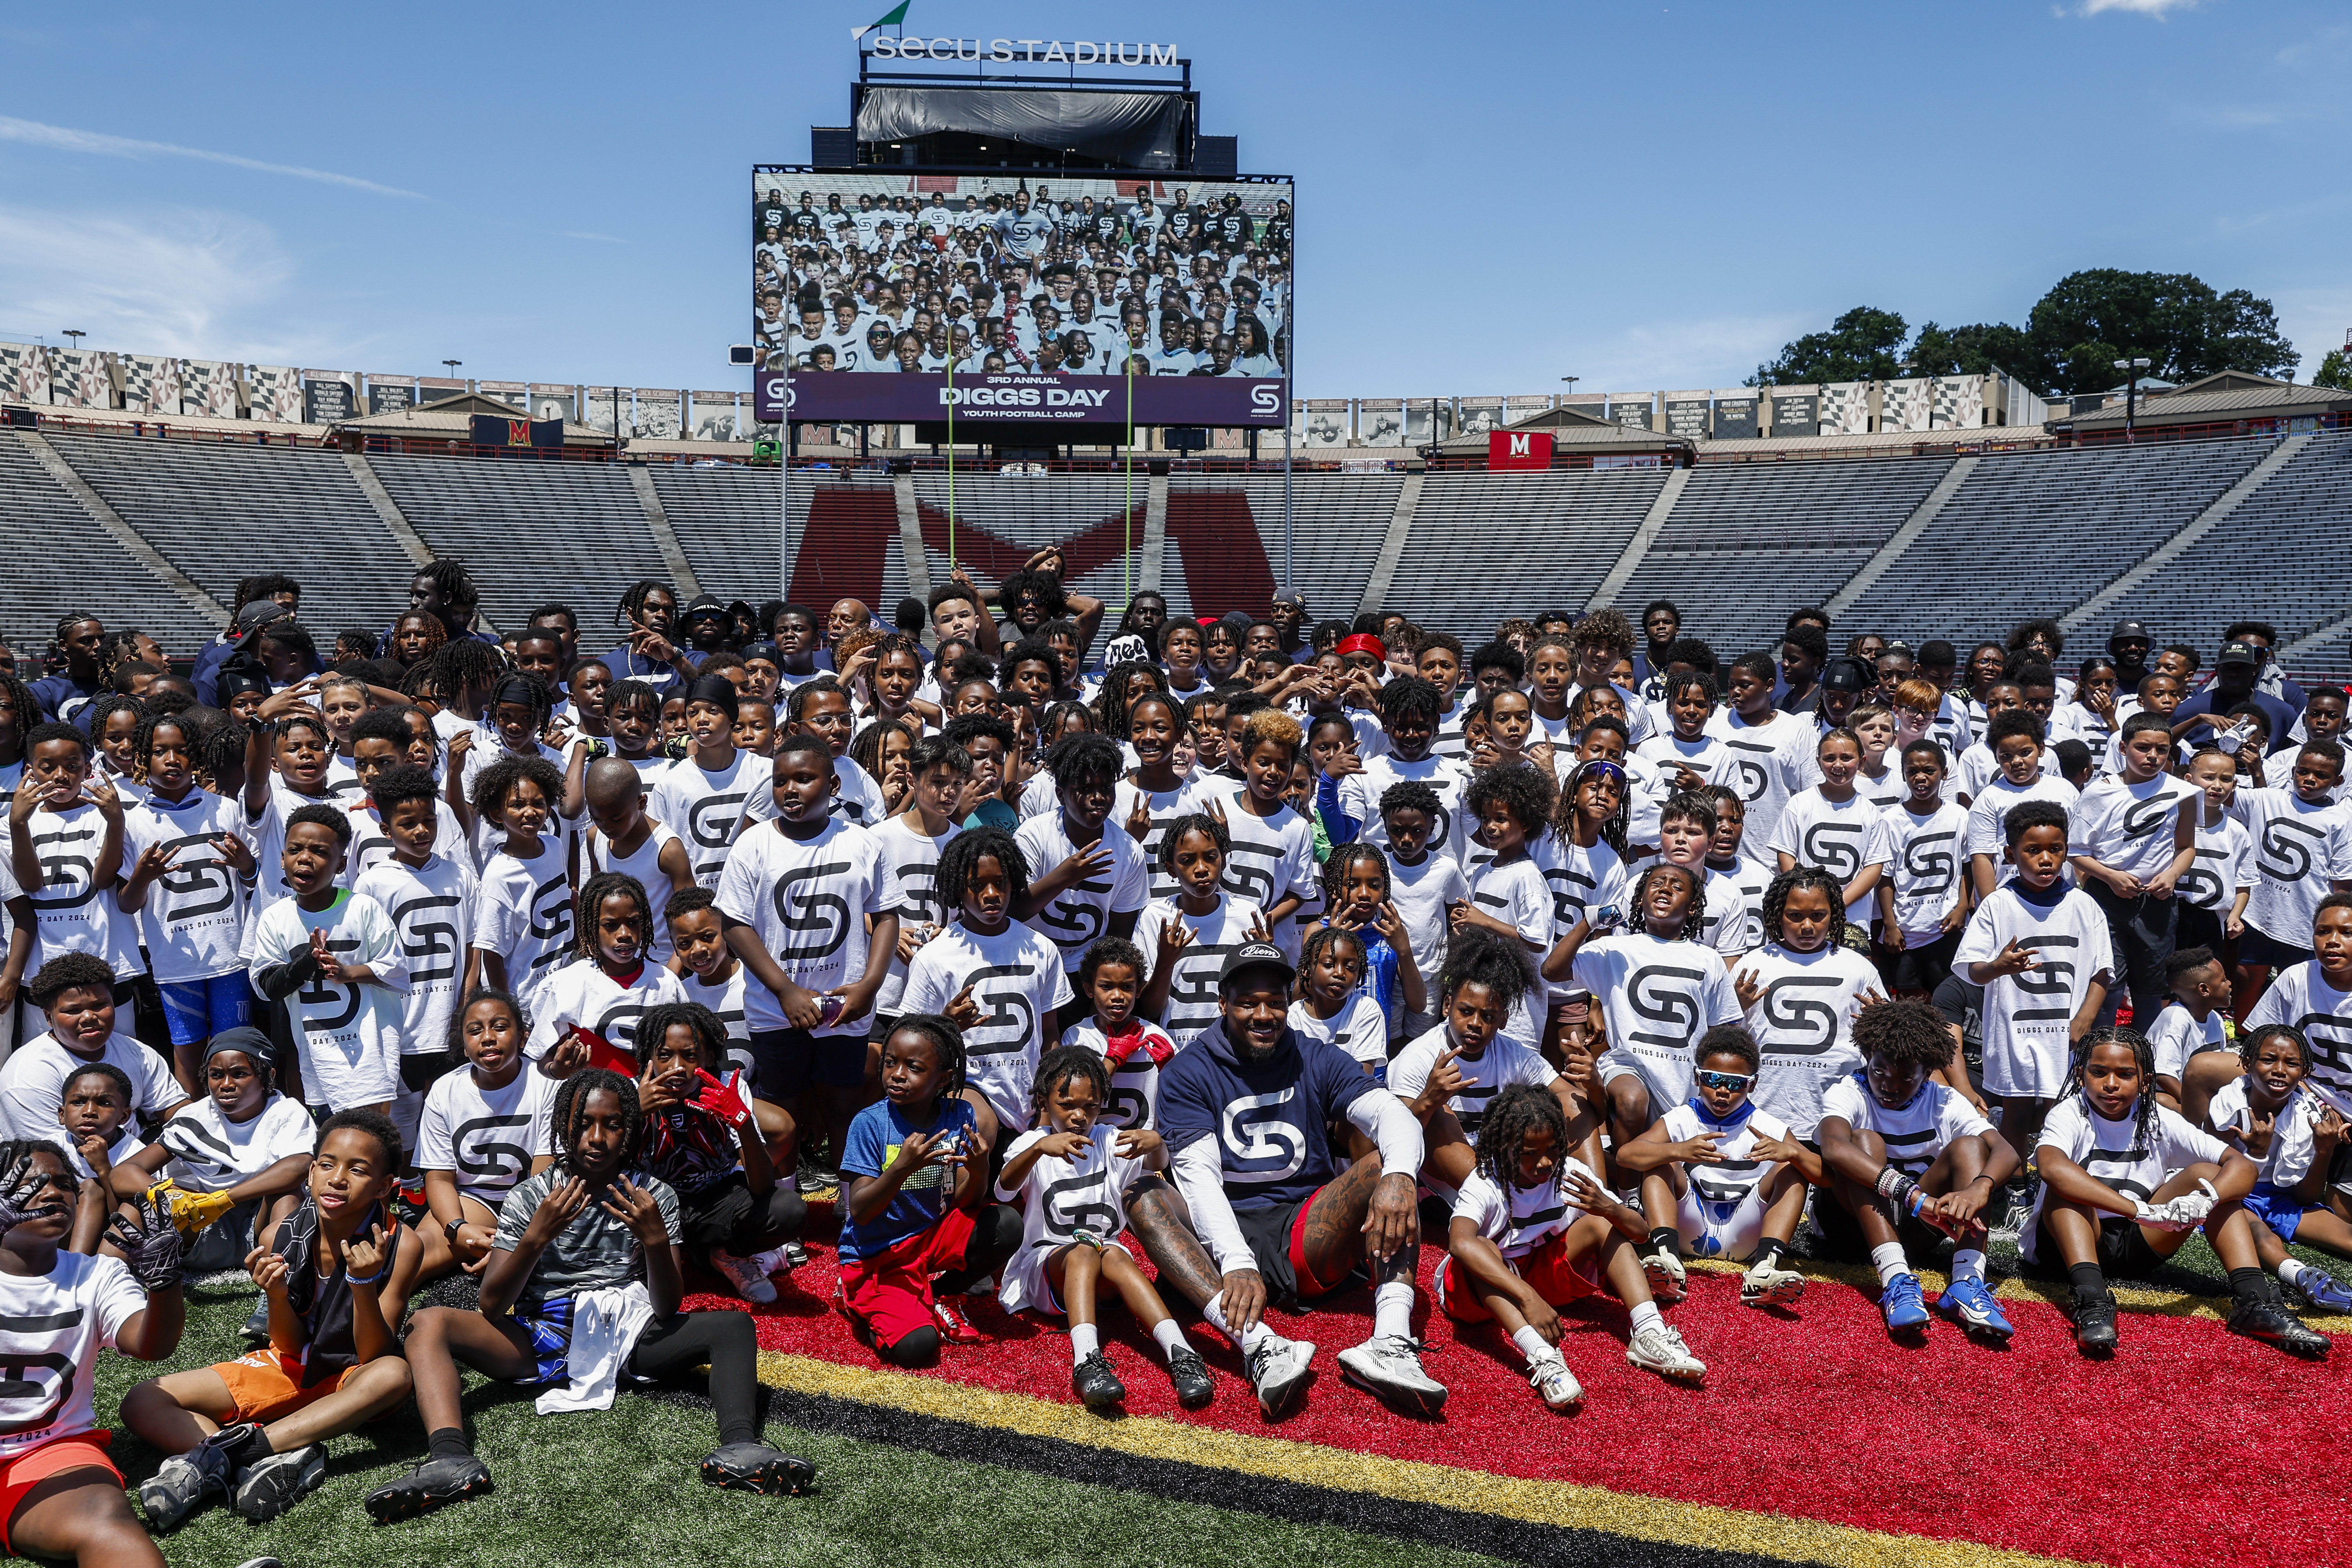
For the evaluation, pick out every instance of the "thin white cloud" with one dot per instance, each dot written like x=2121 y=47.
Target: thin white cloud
x=172 y=282
x=66 y=140
x=2142 y=7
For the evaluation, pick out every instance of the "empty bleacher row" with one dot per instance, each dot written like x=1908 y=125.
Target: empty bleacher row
x=2027 y=533
x=1489 y=545
x=1744 y=544
x=2275 y=558
x=2035 y=534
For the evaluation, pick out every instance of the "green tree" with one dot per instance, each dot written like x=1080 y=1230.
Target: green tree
x=2184 y=327
x=1970 y=350
x=1864 y=344
x=2336 y=370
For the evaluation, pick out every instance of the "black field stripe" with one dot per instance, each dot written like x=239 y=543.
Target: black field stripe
x=1240 y=1491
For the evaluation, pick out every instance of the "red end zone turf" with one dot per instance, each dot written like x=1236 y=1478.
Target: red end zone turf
x=2191 y=1447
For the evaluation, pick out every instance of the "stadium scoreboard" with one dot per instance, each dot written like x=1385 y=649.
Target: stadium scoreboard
x=1001 y=246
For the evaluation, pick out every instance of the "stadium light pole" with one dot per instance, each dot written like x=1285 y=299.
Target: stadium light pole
x=2131 y=369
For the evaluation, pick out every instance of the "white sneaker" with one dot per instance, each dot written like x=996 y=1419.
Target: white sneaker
x=1661 y=1350
x=1388 y=1366
x=1668 y=1280
x=1765 y=1284
x=1548 y=1375
x=750 y=1279
x=1277 y=1371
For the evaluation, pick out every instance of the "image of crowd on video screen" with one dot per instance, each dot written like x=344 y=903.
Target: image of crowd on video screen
x=1075 y=277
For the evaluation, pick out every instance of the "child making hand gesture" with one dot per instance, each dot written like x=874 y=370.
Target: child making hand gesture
x=336 y=1276
x=1073 y=1173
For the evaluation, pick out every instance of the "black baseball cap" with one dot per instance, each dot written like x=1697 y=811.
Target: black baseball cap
x=1846 y=674
x=2237 y=653
x=2126 y=630
x=1255 y=956
x=704 y=604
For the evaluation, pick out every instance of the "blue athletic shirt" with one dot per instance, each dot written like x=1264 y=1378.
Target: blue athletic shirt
x=874 y=1135
x=1270 y=1119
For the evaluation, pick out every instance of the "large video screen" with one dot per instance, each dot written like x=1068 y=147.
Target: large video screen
x=896 y=295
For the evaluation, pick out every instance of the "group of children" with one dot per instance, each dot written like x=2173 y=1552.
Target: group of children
x=461 y=970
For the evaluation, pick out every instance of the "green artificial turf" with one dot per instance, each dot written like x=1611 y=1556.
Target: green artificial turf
x=619 y=1487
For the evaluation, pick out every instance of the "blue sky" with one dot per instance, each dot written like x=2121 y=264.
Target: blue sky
x=1490 y=198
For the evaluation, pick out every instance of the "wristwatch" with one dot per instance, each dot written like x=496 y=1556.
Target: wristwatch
x=449 y=1231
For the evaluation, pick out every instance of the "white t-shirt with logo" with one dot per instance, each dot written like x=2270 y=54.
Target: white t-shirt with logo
x=349 y=1034
x=1924 y=861
x=709 y=810
x=431 y=909
x=193 y=919
x=1082 y=912
x=808 y=901
x=1803 y=1025
x=1843 y=837
x=1192 y=991
x=210 y=1154
x=1657 y=999
x=485 y=1140
x=1017 y=981
x=55 y=1325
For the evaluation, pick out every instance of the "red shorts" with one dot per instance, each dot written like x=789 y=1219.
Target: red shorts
x=20 y=1473
x=892 y=1290
x=1556 y=1279
x=1308 y=1284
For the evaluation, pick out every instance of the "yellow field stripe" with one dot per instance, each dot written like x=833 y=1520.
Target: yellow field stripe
x=1559 y=1504
x=2130 y=1295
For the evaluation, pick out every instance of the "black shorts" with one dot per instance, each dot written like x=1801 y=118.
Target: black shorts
x=2199 y=927
x=1924 y=968
x=728 y=1213
x=2261 y=947
x=785 y=1062
x=2124 y=1251
x=1841 y=1232
x=421 y=1071
x=1270 y=1232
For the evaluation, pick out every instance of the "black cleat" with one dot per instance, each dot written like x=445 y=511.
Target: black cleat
x=756 y=1467
x=270 y=1486
x=1093 y=1381
x=2272 y=1324
x=428 y=1487
x=183 y=1483
x=2094 y=1326
x=1191 y=1376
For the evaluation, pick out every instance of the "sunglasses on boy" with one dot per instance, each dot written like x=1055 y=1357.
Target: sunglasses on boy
x=1726 y=1080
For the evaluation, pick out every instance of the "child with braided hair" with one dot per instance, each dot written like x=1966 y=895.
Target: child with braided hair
x=1801 y=991
x=584 y=1281
x=61 y=1495
x=1133 y=1048
x=1450 y=1076
x=523 y=924
x=1532 y=1229
x=2125 y=1179
x=1908 y=1159
x=1331 y=1006
x=1356 y=898
x=610 y=981
x=700 y=1138
x=1659 y=989
x=915 y=1236
x=1071 y=1172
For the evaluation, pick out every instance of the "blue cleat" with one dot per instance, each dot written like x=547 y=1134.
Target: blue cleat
x=1904 y=1308
x=1970 y=1305
x=2323 y=1292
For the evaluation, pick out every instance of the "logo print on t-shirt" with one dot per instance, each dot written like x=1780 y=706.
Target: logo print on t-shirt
x=426 y=941
x=2051 y=977
x=1261 y=1138
x=22 y=1374
x=204 y=884
x=2143 y=818
x=825 y=913
x=1835 y=848
x=1930 y=868
x=1807 y=1023
x=492 y=1162
x=1078 y=1201
x=1677 y=1009
x=2294 y=855
x=321 y=993
x=710 y=822
x=1009 y=1017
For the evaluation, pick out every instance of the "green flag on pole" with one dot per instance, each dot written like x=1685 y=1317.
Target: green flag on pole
x=896 y=18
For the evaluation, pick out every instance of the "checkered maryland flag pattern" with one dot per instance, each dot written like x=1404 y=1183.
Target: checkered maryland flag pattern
x=1960 y=402
x=1904 y=405
x=1845 y=408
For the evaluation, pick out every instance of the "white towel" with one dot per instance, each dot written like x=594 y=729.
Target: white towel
x=604 y=1328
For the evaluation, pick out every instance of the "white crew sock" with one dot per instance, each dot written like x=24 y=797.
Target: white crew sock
x=1085 y=1340
x=1967 y=1263
x=1246 y=1343
x=1392 y=1311
x=1531 y=1344
x=1644 y=1315
x=2290 y=1271
x=1170 y=1337
x=1890 y=1262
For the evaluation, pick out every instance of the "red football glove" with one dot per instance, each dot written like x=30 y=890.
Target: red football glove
x=723 y=1100
x=1118 y=1048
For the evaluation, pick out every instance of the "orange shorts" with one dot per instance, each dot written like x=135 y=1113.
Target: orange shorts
x=20 y=1473
x=267 y=1385
x=1545 y=1267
